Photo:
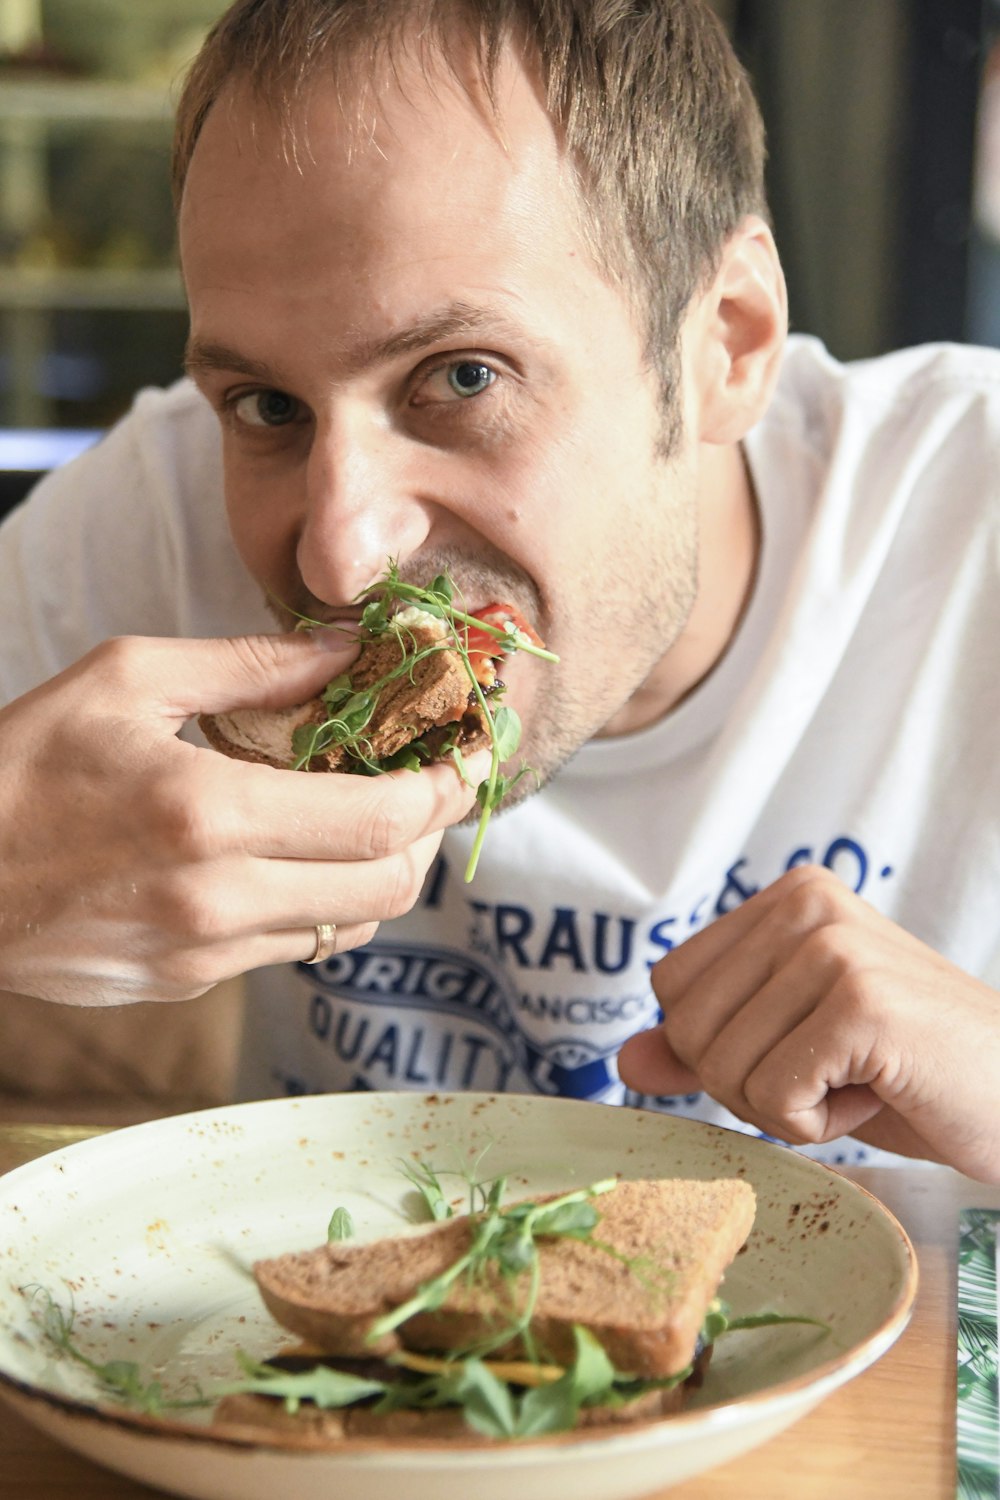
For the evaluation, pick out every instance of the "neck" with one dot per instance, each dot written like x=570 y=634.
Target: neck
x=729 y=545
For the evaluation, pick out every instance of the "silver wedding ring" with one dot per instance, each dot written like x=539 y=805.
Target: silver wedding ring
x=326 y=942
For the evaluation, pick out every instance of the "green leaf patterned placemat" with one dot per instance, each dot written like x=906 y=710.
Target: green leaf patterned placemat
x=978 y=1434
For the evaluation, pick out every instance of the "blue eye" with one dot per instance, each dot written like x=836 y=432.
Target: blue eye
x=266 y=409
x=469 y=377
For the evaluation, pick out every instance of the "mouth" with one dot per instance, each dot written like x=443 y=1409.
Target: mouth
x=480 y=590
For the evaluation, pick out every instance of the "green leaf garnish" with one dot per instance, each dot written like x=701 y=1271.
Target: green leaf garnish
x=427 y=1184
x=771 y=1320
x=719 y=1320
x=486 y=1402
x=119 y=1380
x=323 y=1386
x=341 y=1226
x=507 y=727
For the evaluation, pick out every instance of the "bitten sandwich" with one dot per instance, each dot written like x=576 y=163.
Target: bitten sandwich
x=586 y=1309
x=424 y=688
x=417 y=692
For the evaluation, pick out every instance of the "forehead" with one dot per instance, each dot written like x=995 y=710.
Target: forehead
x=420 y=142
x=382 y=207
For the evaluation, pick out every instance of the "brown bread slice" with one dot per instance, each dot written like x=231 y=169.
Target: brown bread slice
x=433 y=694
x=641 y=1284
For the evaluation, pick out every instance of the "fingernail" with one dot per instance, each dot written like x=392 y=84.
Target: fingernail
x=340 y=637
x=478 y=765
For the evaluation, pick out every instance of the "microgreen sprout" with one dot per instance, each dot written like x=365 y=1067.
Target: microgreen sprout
x=427 y=1181
x=428 y=1185
x=118 y=1379
x=504 y=1238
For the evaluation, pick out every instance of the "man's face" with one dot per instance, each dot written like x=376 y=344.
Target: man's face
x=413 y=356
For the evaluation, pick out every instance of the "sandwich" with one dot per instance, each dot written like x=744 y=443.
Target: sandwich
x=592 y=1308
x=406 y=700
x=424 y=684
x=425 y=687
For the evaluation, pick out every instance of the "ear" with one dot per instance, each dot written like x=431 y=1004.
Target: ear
x=737 y=332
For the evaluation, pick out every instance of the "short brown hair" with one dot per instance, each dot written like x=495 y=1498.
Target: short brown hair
x=656 y=112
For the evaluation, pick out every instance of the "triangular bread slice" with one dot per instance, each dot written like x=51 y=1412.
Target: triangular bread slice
x=641 y=1282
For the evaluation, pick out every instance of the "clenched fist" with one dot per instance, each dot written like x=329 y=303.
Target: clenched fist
x=810 y=1015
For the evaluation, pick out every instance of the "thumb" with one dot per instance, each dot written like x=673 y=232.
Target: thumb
x=648 y=1064
x=248 y=671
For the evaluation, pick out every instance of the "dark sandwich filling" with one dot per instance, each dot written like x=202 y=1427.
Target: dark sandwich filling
x=494 y=1399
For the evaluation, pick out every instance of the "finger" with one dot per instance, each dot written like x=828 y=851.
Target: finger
x=177 y=680
x=226 y=805
x=808 y=922
x=684 y=965
x=648 y=1064
x=299 y=945
x=802 y=899
x=757 y=1025
x=263 y=671
x=816 y=1084
x=224 y=919
x=719 y=1015
x=183 y=974
x=237 y=898
x=841 y=1111
x=750 y=1068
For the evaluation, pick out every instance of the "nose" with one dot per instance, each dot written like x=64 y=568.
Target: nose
x=363 y=505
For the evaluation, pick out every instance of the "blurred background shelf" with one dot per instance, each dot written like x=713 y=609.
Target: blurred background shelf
x=139 y=290
x=70 y=101
x=883 y=120
x=91 y=302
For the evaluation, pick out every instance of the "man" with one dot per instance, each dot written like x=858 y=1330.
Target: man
x=490 y=288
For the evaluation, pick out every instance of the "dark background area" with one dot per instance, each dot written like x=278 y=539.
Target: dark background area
x=872 y=109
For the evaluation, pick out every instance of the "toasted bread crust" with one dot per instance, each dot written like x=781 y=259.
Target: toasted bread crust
x=262 y=736
x=670 y=1242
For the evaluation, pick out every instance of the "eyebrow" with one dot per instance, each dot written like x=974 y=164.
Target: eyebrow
x=203 y=356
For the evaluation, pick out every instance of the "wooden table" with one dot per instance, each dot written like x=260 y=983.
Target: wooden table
x=888 y=1435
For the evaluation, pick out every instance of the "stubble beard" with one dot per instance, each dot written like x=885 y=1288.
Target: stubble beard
x=641 y=628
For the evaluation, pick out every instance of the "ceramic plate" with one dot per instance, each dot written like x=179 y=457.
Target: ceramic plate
x=151 y=1231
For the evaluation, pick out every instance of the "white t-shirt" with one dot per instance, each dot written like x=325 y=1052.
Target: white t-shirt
x=850 y=723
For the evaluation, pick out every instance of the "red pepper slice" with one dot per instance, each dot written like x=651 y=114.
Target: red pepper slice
x=482 y=643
